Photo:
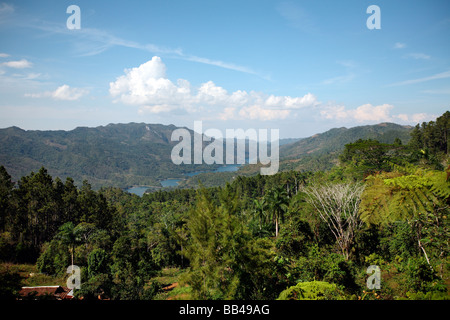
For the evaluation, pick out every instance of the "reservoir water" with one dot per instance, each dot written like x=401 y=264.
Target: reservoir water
x=173 y=182
x=139 y=190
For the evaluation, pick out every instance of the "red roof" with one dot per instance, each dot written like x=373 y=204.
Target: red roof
x=55 y=292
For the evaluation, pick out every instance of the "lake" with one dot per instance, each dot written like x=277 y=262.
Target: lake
x=139 y=190
x=173 y=182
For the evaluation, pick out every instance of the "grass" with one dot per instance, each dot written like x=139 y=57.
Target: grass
x=30 y=275
x=169 y=279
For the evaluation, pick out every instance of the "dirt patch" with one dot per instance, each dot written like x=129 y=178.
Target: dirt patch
x=170 y=287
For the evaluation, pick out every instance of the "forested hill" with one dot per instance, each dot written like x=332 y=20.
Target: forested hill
x=123 y=155
x=335 y=139
x=321 y=151
x=114 y=155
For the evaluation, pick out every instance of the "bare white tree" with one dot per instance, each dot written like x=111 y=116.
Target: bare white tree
x=337 y=205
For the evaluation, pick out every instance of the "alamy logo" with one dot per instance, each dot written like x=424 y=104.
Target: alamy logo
x=74 y=21
x=257 y=142
x=74 y=280
x=374 y=280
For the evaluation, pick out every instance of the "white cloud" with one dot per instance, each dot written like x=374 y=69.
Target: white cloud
x=6 y=11
x=363 y=113
x=418 y=56
x=18 y=64
x=437 y=91
x=442 y=75
x=256 y=112
x=4 y=55
x=368 y=113
x=339 y=79
x=148 y=87
x=415 y=118
x=95 y=41
x=63 y=92
x=399 y=45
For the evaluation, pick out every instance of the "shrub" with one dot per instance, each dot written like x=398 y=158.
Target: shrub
x=314 y=290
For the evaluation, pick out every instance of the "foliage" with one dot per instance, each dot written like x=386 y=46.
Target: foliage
x=10 y=285
x=338 y=206
x=314 y=290
x=300 y=233
x=401 y=195
x=119 y=155
x=433 y=137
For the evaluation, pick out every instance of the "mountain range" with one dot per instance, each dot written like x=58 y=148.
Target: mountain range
x=124 y=155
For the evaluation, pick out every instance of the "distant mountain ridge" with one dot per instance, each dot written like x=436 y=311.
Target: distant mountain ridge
x=113 y=155
x=336 y=138
x=130 y=154
x=320 y=151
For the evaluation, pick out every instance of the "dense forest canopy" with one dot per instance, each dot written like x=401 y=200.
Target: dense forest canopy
x=290 y=235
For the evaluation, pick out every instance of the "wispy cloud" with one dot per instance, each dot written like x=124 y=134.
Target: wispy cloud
x=418 y=56
x=63 y=92
x=399 y=45
x=339 y=79
x=297 y=17
x=17 y=64
x=442 y=75
x=6 y=10
x=349 y=75
x=437 y=91
x=97 y=41
x=219 y=63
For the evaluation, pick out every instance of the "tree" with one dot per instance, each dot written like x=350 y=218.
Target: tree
x=432 y=137
x=10 y=284
x=37 y=209
x=338 y=205
x=6 y=187
x=417 y=196
x=216 y=239
x=278 y=204
x=260 y=207
x=69 y=237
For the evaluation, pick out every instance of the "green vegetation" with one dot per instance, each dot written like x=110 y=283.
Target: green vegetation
x=119 y=155
x=315 y=290
x=292 y=235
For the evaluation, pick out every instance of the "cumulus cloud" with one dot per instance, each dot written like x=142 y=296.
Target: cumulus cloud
x=63 y=92
x=148 y=87
x=415 y=118
x=18 y=64
x=259 y=113
x=363 y=113
x=368 y=113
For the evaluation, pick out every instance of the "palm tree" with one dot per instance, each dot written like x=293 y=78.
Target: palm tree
x=69 y=236
x=260 y=211
x=278 y=204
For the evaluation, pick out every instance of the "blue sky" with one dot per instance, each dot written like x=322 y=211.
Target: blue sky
x=302 y=67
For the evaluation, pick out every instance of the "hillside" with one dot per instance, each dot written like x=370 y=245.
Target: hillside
x=335 y=139
x=114 y=155
x=321 y=151
x=124 y=155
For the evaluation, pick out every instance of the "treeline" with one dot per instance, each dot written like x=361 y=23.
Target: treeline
x=290 y=235
x=432 y=137
x=32 y=212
